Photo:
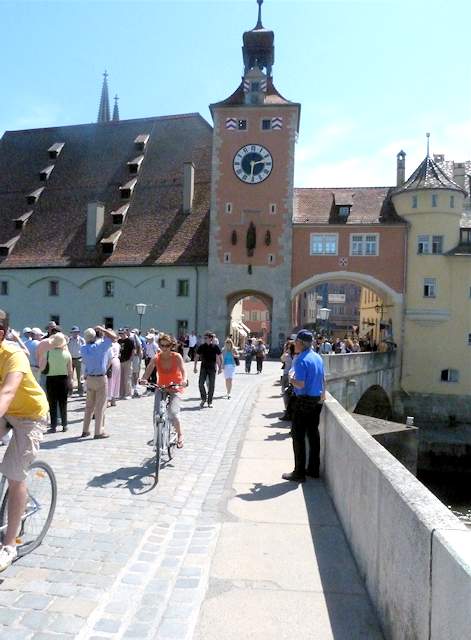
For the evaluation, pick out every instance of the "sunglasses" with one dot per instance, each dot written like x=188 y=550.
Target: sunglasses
x=164 y=344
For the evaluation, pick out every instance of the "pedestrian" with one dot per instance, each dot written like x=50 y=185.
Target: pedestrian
x=192 y=341
x=229 y=355
x=286 y=389
x=56 y=363
x=170 y=369
x=32 y=346
x=260 y=354
x=210 y=356
x=113 y=373
x=249 y=351
x=308 y=380
x=76 y=342
x=95 y=356
x=152 y=349
x=125 y=357
x=136 y=361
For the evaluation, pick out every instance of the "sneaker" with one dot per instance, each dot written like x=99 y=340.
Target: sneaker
x=202 y=403
x=7 y=555
x=210 y=406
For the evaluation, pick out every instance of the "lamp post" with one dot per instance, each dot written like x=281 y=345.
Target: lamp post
x=140 y=309
x=323 y=314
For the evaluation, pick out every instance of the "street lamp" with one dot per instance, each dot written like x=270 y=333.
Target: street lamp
x=140 y=309
x=323 y=314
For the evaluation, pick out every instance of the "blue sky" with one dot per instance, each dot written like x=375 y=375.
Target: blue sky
x=372 y=77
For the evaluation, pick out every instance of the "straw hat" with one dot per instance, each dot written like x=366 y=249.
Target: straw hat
x=58 y=341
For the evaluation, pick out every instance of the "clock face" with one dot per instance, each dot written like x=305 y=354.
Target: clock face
x=253 y=163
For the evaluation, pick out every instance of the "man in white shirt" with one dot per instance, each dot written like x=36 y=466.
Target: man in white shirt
x=192 y=341
x=76 y=342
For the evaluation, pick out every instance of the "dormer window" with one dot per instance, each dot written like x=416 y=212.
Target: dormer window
x=55 y=149
x=33 y=197
x=127 y=189
x=108 y=244
x=135 y=164
x=119 y=215
x=45 y=173
x=343 y=211
x=141 y=141
x=22 y=220
x=7 y=247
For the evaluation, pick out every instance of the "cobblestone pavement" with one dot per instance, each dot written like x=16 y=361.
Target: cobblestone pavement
x=123 y=558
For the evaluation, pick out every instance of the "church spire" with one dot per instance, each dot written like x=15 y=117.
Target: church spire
x=115 y=109
x=104 y=110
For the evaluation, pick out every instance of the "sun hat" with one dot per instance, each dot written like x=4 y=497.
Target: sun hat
x=36 y=331
x=150 y=336
x=304 y=336
x=27 y=330
x=89 y=335
x=74 y=328
x=58 y=341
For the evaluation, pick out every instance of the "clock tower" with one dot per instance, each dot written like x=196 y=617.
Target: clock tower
x=250 y=244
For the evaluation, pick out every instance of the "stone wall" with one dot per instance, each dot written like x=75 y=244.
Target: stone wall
x=412 y=552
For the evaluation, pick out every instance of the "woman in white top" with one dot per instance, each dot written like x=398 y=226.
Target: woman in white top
x=114 y=380
x=229 y=355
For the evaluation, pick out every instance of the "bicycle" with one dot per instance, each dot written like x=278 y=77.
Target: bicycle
x=165 y=437
x=40 y=506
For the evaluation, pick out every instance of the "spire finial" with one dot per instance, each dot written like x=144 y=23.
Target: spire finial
x=259 y=21
x=104 y=108
x=115 y=109
x=428 y=144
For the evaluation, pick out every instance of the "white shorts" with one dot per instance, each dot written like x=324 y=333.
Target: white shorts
x=229 y=371
x=23 y=447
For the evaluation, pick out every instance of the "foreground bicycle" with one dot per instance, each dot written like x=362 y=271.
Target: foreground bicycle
x=40 y=506
x=165 y=437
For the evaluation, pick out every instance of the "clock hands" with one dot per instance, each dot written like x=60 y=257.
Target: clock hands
x=252 y=165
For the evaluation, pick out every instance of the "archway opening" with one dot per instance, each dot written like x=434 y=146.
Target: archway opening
x=346 y=309
x=249 y=316
x=375 y=403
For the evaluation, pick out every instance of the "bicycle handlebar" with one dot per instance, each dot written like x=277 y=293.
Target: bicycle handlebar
x=172 y=385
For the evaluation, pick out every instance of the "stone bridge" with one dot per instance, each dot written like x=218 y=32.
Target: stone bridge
x=364 y=382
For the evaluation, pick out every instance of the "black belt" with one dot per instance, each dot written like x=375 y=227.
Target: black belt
x=77 y=358
x=95 y=375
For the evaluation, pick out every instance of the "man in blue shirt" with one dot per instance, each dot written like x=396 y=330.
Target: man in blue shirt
x=308 y=380
x=95 y=356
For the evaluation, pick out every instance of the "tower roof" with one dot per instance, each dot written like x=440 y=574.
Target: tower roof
x=259 y=49
x=104 y=109
x=429 y=175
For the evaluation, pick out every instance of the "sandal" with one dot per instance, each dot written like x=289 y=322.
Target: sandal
x=180 y=441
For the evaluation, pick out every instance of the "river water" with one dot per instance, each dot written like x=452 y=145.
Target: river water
x=454 y=490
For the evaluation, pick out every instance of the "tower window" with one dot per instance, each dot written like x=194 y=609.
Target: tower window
x=273 y=209
x=227 y=258
x=434 y=200
x=430 y=288
x=452 y=202
x=53 y=287
x=450 y=375
x=469 y=339
x=162 y=283
x=437 y=244
x=266 y=125
x=182 y=328
x=242 y=125
x=4 y=288
x=108 y=322
x=414 y=202
x=255 y=86
x=228 y=208
x=271 y=258
x=423 y=245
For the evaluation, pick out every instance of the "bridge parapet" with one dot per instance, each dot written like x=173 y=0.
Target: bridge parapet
x=350 y=375
x=413 y=553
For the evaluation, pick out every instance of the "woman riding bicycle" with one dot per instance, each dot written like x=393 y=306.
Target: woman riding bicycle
x=170 y=370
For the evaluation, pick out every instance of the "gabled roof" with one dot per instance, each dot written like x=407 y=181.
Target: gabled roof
x=369 y=205
x=271 y=97
x=428 y=175
x=91 y=167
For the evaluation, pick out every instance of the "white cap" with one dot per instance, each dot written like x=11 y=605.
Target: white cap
x=27 y=330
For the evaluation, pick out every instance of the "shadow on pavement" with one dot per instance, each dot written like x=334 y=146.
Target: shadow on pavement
x=278 y=436
x=132 y=478
x=261 y=491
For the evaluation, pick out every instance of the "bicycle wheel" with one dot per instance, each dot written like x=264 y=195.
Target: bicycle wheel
x=157 y=444
x=40 y=506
